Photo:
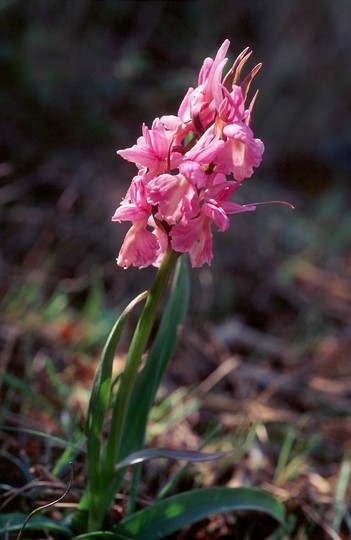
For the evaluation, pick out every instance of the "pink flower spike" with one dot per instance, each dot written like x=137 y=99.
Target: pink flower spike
x=181 y=189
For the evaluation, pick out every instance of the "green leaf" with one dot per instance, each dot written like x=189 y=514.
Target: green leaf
x=102 y=535
x=172 y=514
x=169 y=453
x=149 y=379
x=100 y=398
x=14 y=522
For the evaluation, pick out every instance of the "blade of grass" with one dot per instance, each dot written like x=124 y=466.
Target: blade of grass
x=18 y=463
x=340 y=506
x=102 y=535
x=48 y=436
x=13 y=522
x=23 y=387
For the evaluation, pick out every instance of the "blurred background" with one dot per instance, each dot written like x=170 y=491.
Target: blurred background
x=78 y=79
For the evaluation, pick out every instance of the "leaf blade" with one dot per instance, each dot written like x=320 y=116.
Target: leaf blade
x=176 y=454
x=100 y=398
x=14 y=521
x=174 y=513
x=102 y=535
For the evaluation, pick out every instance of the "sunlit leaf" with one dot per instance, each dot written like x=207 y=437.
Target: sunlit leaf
x=100 y=397
x=172 y=514
x=169 y=453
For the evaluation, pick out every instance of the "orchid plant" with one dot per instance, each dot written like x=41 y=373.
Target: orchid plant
x=188 y=167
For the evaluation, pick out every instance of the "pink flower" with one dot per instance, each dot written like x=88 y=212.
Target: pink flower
x=134 y=206
x=241 y=152
x=181 y=189
x=195 y=238
x=198 y=108
x=174 y=196
x=216 y=204
x=195 y=235
x=211 y=75
x=140 y=247
x=153 y=150
x=203 y=153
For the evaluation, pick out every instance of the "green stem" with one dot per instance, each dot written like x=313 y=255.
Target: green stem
x=138 y=345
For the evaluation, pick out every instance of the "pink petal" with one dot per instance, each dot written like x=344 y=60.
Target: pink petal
x=232 y=108
x=175 y=196
x=205 y=149
x=217 y=214
x=139 y=248
x=195 y=237
x=194 y=173
x=241 y=152
x=234 y=208
x=129 y=212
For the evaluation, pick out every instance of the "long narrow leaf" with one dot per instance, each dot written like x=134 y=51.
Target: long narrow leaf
x=13 y=522
x=57 y=441
x=100 y=398
x=172 y=514
x=169 y=453
x=102 y=535
x=158 y=359
x=100 y=395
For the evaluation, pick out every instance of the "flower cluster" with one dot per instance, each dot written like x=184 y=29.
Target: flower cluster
x=181 y=188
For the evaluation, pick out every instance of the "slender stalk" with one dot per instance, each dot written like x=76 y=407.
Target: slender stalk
x=140 y=338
